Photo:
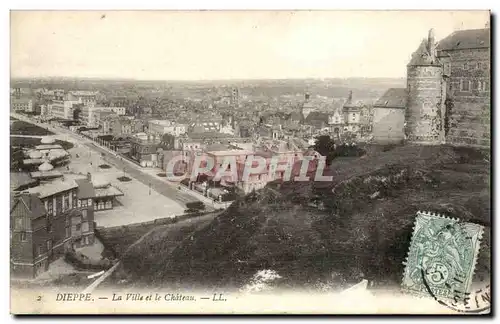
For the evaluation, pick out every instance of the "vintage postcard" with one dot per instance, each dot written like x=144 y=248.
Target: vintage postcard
x=250 y=162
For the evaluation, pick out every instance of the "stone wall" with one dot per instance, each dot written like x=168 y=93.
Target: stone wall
x=469 y=110
x=425 y=104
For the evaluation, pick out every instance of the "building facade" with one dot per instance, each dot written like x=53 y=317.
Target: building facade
x=144 y=149
x=45 y=222
x=161 y=127
x=389 y=117
x=21 y=104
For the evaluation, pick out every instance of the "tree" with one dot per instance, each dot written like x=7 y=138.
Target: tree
x=325 y=146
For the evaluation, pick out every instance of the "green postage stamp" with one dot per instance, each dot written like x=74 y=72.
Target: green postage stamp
x=442 y=256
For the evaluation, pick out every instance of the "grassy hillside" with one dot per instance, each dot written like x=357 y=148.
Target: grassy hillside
x=327 y=233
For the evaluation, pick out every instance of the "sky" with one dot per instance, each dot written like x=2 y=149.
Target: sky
x=212 y=45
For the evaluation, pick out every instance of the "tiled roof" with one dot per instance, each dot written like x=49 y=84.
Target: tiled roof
x=85 y=189
x=108 y=192
x=54 y=188
x=21 y=100
x=48 y=147
x=295 y=116
x=33 y=204
x=208 y=135
x=20 y=179
x=393 y=98
x=46 y=174
x=466 y=39
x=317 y=116
x=216 y=147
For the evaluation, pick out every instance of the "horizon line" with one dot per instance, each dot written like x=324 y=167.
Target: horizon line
x=198 y=80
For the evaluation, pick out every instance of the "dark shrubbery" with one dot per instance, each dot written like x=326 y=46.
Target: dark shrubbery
x=328 y=147
x=23 y=128
x=195 y=205
x=29 y=142
x=104 y=166
x=124 y=179
x=363 y=229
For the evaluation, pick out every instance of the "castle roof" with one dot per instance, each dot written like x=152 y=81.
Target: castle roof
x=422 y=56
x=466 y=39
x=393 y=98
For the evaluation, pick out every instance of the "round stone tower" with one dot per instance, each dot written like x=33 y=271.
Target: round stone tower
x=424 y=110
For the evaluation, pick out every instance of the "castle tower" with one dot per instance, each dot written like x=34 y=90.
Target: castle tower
x=425 y=105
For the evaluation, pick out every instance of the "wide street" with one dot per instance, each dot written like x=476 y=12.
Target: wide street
x=127 y=167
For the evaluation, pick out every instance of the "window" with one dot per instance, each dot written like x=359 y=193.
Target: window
x=466 y=66
x=476 y=85
x=49 y=245
x=84 y=213
x=447 y=68
x=39 y=250
x=83 y=203
x=464 y=85
x=479 y=65
x=89 y=202
x=19 y=223
x=65 y=202
x=59 y=202
x=85 y=227
x=23 y=237
x=78 y=227
x=50 y=207
x=49 y=224
x=68 y=231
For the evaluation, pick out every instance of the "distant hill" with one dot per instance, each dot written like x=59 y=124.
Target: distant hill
x=362 y=87
x=327 y=233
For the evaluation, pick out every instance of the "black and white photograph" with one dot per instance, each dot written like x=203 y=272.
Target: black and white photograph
x=250 y=162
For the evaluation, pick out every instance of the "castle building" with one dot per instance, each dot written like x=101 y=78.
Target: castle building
x=447 y=93
x=426 y=95
x=465 y=57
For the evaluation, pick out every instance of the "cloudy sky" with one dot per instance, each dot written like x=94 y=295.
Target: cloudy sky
x=169 y=45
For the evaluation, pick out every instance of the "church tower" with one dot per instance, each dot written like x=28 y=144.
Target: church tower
x=307 y=106
x=426 y=95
